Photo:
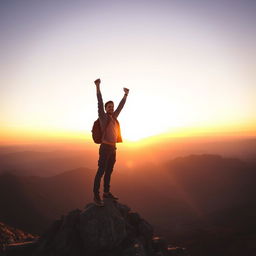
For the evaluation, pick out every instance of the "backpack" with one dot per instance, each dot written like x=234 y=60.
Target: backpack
x=96 y=132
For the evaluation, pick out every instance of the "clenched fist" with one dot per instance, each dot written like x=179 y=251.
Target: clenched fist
x=126 y=90
x=97 y=82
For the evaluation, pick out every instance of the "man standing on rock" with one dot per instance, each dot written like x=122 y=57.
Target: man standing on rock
x=111 y=135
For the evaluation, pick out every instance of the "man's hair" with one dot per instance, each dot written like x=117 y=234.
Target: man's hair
x=110 y=101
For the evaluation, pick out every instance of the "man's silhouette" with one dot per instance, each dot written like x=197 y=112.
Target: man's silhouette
x=111 y=135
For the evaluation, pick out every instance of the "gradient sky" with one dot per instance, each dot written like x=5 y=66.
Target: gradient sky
x=188 y=64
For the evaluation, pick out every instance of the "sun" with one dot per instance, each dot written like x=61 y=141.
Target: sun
x=143 y=117
x=135 y=127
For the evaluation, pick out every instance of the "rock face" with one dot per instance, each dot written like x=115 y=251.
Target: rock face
x=102 y=228
x=112 y=230
x=9 y=235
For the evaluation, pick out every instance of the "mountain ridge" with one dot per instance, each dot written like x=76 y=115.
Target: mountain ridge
x=213 y=200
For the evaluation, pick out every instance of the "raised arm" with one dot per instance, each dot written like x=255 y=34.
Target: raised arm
x=99 y=97
x=122 y=102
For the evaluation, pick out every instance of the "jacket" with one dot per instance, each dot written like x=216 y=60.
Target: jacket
x=104 y=117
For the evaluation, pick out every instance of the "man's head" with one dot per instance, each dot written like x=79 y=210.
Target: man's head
x=109 y=107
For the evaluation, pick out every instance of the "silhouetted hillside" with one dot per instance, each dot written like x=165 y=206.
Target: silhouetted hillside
x=39 y=200
x=210 y=181
x=221 y=192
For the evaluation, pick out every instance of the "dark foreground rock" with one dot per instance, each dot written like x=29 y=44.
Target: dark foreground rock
x=10 y=235
x=112 y=230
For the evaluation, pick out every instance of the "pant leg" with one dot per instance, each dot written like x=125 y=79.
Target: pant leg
x=104 y=155
x=109 y=169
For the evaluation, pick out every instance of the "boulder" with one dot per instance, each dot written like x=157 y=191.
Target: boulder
x=112 y=230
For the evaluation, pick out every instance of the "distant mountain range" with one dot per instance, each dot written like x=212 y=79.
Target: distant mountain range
x=40 y=163
x=31 y=203
x=186 y=199
x=49 y=159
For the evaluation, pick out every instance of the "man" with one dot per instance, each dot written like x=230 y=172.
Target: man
x=111 y=135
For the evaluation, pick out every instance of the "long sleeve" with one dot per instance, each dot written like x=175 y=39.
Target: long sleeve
x=120 y=107
x=101 y=112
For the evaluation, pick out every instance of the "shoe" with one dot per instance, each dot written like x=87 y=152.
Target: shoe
x=97 y=200
x=109 y=195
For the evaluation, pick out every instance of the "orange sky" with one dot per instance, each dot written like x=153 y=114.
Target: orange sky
x=190 y=68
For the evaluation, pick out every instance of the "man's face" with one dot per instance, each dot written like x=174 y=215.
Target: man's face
x=110 y=108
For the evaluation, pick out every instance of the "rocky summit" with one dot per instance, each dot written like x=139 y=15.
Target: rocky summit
x=112 y=230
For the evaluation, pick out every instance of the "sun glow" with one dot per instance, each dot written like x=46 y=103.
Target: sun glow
x=186 y=73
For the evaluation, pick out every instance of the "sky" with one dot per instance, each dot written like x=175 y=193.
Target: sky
x=189 y=65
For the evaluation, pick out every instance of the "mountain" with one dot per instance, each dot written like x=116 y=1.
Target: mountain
x=211 y=182
x=112 y=230
x=40 y=163
x=188 y=200
x=48 y=159
x=221 y=195
x=40 y=200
